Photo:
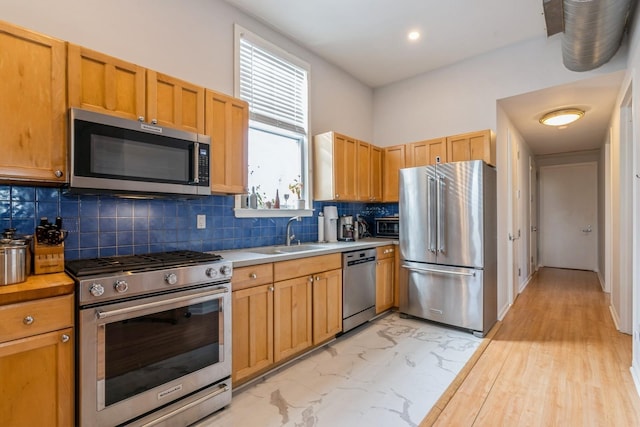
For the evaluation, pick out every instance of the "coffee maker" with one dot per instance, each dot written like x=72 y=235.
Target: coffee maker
x=346 y=230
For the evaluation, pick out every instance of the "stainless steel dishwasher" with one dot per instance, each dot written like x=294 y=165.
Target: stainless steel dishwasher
x=358 y=288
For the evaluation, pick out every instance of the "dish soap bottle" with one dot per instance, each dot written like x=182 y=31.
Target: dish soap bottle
x=253 y=199
x=276 y=204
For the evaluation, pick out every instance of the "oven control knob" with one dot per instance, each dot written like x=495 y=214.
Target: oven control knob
x=225 y=270
x=171 y=278
x=211 y=272
x=121 y=286
x=96 y=290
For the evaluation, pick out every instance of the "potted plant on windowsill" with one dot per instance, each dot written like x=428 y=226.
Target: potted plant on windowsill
x=296 y=188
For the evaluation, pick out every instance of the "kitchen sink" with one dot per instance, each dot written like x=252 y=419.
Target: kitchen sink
x=279 y=250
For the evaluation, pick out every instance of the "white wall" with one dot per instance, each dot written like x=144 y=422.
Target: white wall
x=192 y=40
x=462 y=97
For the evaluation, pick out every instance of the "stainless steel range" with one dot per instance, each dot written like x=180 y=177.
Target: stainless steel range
x=154 y=338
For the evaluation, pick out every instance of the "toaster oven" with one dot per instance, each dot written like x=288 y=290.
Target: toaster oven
x=388 y=227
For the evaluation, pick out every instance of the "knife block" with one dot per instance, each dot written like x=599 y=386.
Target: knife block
x=48 y=258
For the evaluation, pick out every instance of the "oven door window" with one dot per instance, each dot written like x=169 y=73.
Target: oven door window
x=144 y=352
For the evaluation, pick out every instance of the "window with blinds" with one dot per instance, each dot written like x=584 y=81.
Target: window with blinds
x=275 y=88
x=275 y=84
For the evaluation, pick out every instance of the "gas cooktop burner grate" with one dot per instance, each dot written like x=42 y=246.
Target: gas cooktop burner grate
x=146 y=262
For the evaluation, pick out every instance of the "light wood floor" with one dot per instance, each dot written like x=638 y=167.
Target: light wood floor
x=555 y=360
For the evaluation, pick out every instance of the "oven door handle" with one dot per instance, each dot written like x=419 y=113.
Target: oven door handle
x=105 y=314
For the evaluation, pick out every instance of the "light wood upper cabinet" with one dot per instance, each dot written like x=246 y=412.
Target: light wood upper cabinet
x=37 y=363
x=377 y=161
x=334 y=167
x=327 y=305
x=175 y=103
x=394 y=160
x=105 y=84
x=32 y=106
x=424 y=153
x=227 y=123
x=479 y=145
x=363 y=166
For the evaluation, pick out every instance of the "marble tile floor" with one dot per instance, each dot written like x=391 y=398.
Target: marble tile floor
x=389 y=373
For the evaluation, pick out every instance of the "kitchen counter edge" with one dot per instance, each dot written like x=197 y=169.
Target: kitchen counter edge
x=37 y=287
x=245 y=257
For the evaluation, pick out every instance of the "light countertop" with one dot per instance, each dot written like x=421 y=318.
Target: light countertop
x=252 y=256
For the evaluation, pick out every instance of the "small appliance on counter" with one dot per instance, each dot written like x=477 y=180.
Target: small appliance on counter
x=15 y=259
x=346 y=229
x=331 y=224
x=388 y=227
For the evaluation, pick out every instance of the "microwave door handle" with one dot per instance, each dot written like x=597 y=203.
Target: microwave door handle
x=196 y=162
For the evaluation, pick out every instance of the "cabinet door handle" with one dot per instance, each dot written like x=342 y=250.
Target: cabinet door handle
x=317 y=278
x=27 y=320
x=253 y=276
x=58 y=173
x=271 y=288
x=65 y=338
x=310 y=278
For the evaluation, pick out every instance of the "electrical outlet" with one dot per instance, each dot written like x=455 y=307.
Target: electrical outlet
x=201 y=221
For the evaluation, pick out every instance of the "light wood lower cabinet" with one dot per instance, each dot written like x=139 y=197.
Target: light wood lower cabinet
x=385 y=283
x=252 y=331
x=327 y=305
x=281 y=310
x=37 y=363
x=292 y=333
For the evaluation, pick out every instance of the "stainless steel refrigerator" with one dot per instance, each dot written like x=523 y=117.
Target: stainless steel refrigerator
x=448 y=244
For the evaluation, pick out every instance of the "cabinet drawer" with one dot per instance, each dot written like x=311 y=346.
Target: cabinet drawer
x=35 y=317
x=248 y=277
x=386 y=251
x=303 y=267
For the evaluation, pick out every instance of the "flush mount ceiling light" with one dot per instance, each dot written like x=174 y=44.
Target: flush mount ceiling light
x=561 y=117
x=413 y=35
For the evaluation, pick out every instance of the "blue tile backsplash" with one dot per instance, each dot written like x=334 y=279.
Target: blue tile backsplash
x=104 y=226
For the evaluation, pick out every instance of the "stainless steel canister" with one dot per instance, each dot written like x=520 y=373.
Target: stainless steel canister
x=13 y=262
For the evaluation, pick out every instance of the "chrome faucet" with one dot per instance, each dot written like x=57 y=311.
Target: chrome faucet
x=289 y=235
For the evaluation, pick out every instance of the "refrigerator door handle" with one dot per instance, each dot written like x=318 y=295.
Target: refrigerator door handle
x=441 y=208
x=435 y=270
x=430 y=208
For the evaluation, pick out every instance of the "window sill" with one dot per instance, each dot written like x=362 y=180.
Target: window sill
x=271 y=213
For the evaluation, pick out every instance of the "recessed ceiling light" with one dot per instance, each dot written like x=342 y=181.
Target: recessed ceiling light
x=561 y=117
x=413 y=35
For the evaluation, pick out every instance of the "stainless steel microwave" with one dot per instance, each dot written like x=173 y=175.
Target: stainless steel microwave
x=114 y=155
x=388 y=227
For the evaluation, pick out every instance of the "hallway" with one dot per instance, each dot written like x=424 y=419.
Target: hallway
x=556 y=359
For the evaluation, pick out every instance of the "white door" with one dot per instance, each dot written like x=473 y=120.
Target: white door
x=533 y=216
x=568 y=216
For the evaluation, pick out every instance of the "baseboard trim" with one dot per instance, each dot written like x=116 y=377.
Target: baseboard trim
x=614 y=317
x=636 y=378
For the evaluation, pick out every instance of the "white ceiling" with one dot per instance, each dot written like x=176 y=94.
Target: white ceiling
x=368 y=39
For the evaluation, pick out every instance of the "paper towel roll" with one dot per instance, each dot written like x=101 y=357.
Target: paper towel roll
x=320 y=227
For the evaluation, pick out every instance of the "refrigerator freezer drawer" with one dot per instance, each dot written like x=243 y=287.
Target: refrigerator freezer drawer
x=449 y=295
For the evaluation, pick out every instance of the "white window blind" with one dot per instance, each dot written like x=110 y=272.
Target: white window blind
x=275 y=89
